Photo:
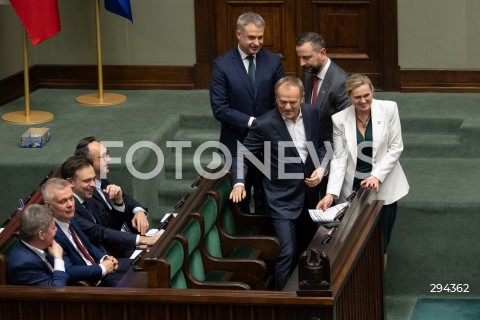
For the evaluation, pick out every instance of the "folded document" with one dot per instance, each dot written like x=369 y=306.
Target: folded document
x=328 y=215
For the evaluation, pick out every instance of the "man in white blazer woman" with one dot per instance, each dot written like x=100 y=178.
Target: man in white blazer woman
x=367 y=143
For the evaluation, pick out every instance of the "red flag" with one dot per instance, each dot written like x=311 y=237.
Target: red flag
x=39 y=17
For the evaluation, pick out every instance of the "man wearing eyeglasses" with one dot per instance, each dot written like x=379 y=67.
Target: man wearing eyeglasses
x=136 y=216
x=101 y=226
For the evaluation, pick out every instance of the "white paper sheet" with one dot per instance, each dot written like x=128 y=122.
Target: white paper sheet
x=328 y=215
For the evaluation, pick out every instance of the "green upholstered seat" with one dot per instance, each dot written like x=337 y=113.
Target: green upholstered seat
x=174 y=255
x=192 y=233
x=223 y=188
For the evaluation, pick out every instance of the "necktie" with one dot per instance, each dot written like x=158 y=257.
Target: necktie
x=89 y=210
x=315 y=88
x=251 y=70
x=45 y=260
x=80 y=245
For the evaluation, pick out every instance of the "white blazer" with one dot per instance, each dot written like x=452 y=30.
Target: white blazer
x=387 y=145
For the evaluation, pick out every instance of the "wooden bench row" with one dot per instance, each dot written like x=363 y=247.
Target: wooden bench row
x=355 y=289
x=210 y=244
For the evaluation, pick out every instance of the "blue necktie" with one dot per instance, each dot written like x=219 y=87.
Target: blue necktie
x=90 y=211
x=251 y=70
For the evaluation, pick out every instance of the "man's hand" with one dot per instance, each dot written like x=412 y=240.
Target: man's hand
x=114 y=192
x=55 y=250
x=149 y=241
x=110 y=264
x=371 y=182
x=315 y=178
x=140 y=222
x=326 y=202
x=238 y=193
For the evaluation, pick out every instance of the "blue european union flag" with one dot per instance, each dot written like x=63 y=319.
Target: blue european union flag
x=120 y=7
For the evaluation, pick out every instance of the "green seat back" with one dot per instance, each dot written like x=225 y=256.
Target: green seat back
x=192 y=232
x=223 y=188
x=174 y=256
x=212 y=240
x=9 y=245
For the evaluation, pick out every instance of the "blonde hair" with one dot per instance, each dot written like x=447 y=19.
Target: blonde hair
x=356 y=80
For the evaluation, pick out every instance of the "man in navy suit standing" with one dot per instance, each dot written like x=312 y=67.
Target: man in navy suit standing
x=241 y=89
x=324 y=84
x=28 y=262
x=296 y=167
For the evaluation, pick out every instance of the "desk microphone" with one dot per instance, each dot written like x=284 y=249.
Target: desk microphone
x=326 y=238
x=338 y=217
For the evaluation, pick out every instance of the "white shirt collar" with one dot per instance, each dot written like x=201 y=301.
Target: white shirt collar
x=37 y=251
x=321 y=74
x=244 y=55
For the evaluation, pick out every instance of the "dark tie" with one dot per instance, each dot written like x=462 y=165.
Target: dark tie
x=49 y=265
x=88 y=208
x=80 y=245
x=315 y=89
x=251 y=70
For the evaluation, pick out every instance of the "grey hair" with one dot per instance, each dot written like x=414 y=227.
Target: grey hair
x=34 y=218
x=290 y=81
x=50 y=185
x=250 y=18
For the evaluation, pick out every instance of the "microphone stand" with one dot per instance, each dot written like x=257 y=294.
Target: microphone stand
x=338 y=218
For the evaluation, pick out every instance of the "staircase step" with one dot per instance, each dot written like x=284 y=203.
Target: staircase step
x=203 y=122
x=173 y=191
x=197 y=137
x=431 y=125
x=188 y=171
x=432 y=146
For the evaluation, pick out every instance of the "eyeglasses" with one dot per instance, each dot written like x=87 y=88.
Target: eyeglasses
x=105 y=156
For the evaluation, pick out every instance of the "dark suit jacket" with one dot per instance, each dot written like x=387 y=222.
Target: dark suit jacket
x=285 y=197
x=103 y=232
x=232 y=97
x=331 y=98
x=25 y=267
x=118 y=219
x=74 y=263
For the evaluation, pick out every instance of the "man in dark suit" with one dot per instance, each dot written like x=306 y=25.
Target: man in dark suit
x=134 y=218
x=91 y=216
x=83 y=260
x=28 y=262
x=241 y=89
x=324 y=84
x=296 y=168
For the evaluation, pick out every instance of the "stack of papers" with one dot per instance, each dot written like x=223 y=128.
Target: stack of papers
x=328 y=215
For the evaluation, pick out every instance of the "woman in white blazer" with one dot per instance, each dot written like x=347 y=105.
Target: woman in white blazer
x=367 y=143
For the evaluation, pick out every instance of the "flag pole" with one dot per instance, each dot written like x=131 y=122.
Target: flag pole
x=28 y=116
x=100 y=98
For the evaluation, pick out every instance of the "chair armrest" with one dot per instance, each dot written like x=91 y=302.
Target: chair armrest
x=268 y=246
